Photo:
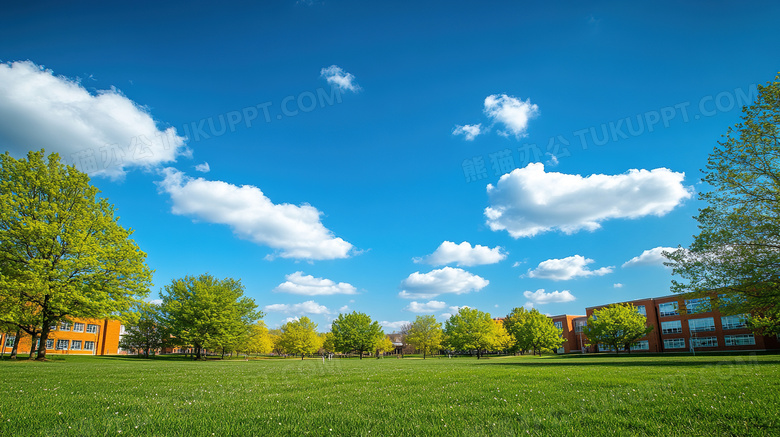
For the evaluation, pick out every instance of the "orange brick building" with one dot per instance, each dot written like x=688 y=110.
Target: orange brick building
x=683 y=325
x=80 y=337
x=571 y=332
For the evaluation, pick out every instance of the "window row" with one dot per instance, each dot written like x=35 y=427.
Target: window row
x=77 y=327
x=730 y=340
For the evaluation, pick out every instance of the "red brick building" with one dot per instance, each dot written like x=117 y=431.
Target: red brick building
x=684 y=325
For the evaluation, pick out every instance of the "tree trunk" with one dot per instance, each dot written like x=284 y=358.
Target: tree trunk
x=423 y=354
x=302 y=357
x=32 y=346
x=45 y=329
x=15 y=348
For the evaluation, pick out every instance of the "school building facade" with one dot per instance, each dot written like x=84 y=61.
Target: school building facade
x=79 y=337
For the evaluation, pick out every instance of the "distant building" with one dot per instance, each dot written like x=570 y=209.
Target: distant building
x=79 y=337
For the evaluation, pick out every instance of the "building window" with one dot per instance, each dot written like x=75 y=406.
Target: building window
x=9 y=340
x=698 y=305
x=78 y=327
x=121 y=329
x=604 y=347
x=734 y=322
x=705 y=342
x=701 y=325
x=672 y=327
x=740 y=340
x=89 y=345
x=65 y=326
x=92 y=329
x=674 y=343
x=50 y=343
x=579 y=325
x=642 y=345
x=53 y=328
x=641 y=309
x=668 y=309
x=62 y=345
x=75 y=345
x=559 y=325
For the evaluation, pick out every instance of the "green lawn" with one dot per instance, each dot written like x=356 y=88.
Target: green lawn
x=573 y=395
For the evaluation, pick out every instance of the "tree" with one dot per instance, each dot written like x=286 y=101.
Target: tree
x=259 y=340
x=425 y=334
x=470 y=329
x=384 y=345
x=146 y=331
x=532 y=330
x=326 y=340
x=62 y=249
x=514 y=323
x=207 y=312
x=299 y=337
x=502 y=341
x=736 y=251
x=355 y=332
x=618 y=326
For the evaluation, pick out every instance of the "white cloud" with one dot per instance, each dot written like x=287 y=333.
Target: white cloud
x=463 y=255
x=512 y=112
x=566 y=268
x=429 y=307
x=104 y=134
x=308 y=307
x=395 y=326
x=156 y=301
x=447 y=280
x=308 y=285
x=336 y=76
x=203 y=168
x=528 y=201
x=540 y=297
x=290 y=319
x=294 y=230
x=650 y=257
x=469 y=130
x=344 y=309
x=617 y=285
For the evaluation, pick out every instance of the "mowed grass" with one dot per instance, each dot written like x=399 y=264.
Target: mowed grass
x=572 y=395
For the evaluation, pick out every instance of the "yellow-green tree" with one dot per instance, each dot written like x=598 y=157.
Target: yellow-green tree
x=425 y=334
x=618 y=325
x=63 y=253
x=259 y=340
x=470 y=330
x=384 y=345
x=299 y=337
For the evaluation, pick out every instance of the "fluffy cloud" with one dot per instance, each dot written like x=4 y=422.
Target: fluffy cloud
x=308 y=307
x=104 y=134
x=617 y=285
x=203 y=168
x=395 y=326
x=308 y=285
x=529 y=201
x=566 y=268
x=442 y=281
x=429 y=307
x=294 y=230
x=336 y=76
x=650 y=257
x=512 y=112
x=540 y=297
x=463 y=255
x=469 y=130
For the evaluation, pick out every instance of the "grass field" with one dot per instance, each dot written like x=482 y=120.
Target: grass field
x=572 y=395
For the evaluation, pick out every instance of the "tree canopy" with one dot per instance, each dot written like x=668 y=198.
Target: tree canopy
x=63 y=252
x=425 y=334
x=618 y=326
x=532 y=330
x=204 y=312
x=737 y=251
x=470 y=330
x=145 y=332
x=299 y=337
x=355 y=332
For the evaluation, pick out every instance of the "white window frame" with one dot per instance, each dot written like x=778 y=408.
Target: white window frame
x=49 y=343
x=676 y=329
x=9 y=340
x=78 y=327
x=89 y=345
x=65 y=326
x=699 y=325
x=75 y=345
x=61 y=342
x=728 y=322
x=740 y=340
x=674 y=343
x=692 y=306
x=667 y=313
x=641 y=345
x=641 y=310
x=92 y=329
x=704 y=342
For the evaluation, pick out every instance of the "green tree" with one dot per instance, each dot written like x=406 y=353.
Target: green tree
x=470 y=330
x=145 y=332
x=327 y=342
x=502 y=340
x=207 y=312
x=618 y=326
x=355 y=332
x=533 y=331
x=299 y=337
x=259 y=340
x=425 y=334
x=736 y=251
x=384 y=345
x=62 y=249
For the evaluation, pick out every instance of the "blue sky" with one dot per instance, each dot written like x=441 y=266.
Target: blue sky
x=395 y=158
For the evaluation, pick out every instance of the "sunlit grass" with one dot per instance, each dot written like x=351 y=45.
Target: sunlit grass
x=575 y=395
